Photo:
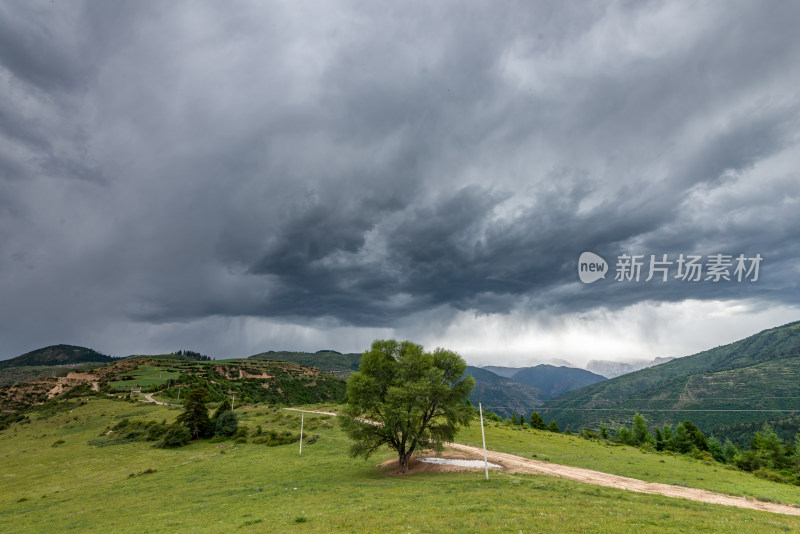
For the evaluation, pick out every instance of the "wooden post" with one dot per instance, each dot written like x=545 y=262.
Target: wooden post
x=302 y=419
x=483 y=437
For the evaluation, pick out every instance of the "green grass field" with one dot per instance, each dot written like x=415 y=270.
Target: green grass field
x=145 y=376
x=221 y=487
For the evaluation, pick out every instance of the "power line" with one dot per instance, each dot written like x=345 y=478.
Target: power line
x=699 y=399
x=675 y=410
x=548 y=409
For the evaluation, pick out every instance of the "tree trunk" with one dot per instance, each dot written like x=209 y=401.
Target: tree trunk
x=403 y=459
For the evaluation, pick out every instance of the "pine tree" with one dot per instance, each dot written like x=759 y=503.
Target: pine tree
x=537 y=422
x=195 y=414
x=553 y=427
x=683 y=439
x=669 y=438
x=699 y=440
x=640 y=433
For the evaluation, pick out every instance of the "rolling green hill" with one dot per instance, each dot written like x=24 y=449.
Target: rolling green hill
x=56 y=355
x=753 y=380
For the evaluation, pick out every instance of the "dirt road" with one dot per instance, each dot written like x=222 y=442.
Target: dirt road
x=149 y=397
x=518 y=464
x=312 y=411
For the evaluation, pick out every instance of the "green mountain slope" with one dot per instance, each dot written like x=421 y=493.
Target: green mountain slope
x=56 y=355
x=752 y=380
x=502 y=395
x=556 y=380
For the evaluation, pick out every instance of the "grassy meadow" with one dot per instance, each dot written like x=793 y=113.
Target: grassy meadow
x=51 y=479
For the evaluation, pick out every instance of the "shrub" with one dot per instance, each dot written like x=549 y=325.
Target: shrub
x=176 y=436
x=625 y=436
x=227 y=424
x=773 y=476
x=273 y=438
x=748 y=461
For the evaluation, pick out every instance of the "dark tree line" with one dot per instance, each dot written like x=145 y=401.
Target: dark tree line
x=192 y=355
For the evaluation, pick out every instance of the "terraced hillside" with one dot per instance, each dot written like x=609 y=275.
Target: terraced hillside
x=342 y=365
x=251 y=381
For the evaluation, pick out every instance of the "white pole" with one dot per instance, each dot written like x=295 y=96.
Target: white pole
x=233 y=400
x=302 y=419
x=483 y=436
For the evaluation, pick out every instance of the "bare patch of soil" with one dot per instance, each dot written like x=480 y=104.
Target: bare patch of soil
x=392 y=467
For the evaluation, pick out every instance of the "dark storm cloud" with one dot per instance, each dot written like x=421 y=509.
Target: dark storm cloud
x=364 y=163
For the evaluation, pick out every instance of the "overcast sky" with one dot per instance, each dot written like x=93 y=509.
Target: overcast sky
x=235 y=177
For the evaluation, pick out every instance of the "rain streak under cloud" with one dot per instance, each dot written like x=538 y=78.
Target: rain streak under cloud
x=233 y=178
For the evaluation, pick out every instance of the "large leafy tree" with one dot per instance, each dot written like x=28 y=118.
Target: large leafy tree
x=406 y=398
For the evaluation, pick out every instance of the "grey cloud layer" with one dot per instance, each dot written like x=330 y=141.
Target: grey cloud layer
x=167 y=162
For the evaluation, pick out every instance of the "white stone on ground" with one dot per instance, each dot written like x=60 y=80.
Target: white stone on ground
x=459 y=463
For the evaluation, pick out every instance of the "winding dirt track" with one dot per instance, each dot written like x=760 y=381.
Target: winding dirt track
x=517 y=464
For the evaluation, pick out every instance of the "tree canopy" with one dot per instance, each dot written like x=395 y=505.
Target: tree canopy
x=406 y=398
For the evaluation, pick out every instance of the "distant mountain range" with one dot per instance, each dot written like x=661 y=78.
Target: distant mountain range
x=556 y=380
x=611 y=369
x=747 y=382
